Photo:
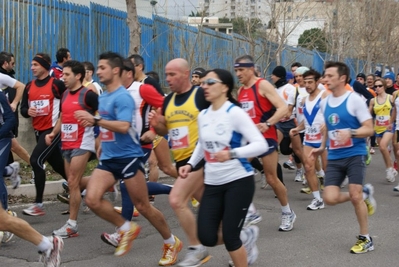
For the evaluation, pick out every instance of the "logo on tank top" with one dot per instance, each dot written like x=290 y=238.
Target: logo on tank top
x=220 y=129
x=333 y=119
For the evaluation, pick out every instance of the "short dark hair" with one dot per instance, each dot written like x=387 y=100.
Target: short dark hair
x=61 y=54
x=342 y=68
x=154 y=75
x=128 y=66
x=5 y=57
x=246 y=58
x=88 y=66
x=296 y=64
x=114 y=60
x=76 y=67
x=311 y=72
x=137 y=60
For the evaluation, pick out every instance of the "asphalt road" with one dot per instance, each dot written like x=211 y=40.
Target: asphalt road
x=319 y=238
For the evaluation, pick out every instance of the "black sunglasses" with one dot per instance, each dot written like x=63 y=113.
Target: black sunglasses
x=378 y=86
x=210 y=81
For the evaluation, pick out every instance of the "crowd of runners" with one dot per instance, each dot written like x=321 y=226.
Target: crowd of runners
x=326 y=124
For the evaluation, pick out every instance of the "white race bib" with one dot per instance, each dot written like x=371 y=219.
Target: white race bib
x=179 y=137
x=69 y=132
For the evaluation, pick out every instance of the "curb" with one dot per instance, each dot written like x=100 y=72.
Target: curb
x=51 y=188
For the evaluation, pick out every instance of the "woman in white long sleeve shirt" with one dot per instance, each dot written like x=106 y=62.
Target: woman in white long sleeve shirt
x=227 y=137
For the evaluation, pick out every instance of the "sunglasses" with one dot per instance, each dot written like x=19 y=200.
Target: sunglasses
x=210 y=81
x=378 y=86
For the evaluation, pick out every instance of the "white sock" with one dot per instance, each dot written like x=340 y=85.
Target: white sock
x=72 y=222
x=251 y=209
x=125 y=227
x=286 y=209
x=44 y=245
x=316 y=195
x=170 y=240
x=367 y=236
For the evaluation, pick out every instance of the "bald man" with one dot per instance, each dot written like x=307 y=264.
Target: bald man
x=178 y=117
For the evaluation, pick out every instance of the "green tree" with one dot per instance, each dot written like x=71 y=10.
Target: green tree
x=314 y=38
x=246 y=27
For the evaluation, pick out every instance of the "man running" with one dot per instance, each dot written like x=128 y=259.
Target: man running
x=41 y=101
x=179 y=118
x=120 y=158
x=262 y=103
x=348 y=124
x=78 y=143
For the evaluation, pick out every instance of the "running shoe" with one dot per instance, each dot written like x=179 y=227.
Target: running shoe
x=252 y=219
x=111 y=239
x=289 y=165
x=127 y=238
x=63 y=197
x=345 y=182
x=287 y=221
x=113 y=193
x=306 y=190
x=368 y=159
x=316 y=204
x=65 y=187
x=14 y=177
x=362 y=245
x=252 y=234
x=135 y=211
x=263 y=183
x=371 y=203
x=391 y=173
x=396 y=188
x=67 y=231
x=372 y=151
x=34 y=210
x=299 y=175
x=170 y=252
x=194 y=203
x=7 y=236
x=52 y=257
x=195 y=257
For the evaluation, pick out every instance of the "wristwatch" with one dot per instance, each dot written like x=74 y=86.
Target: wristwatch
x=97 y=118
x=268 y=124
x=233 y=154
x=353 y=133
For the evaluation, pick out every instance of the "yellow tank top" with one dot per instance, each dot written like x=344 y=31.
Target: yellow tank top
x=181 y=122
x=382 y=115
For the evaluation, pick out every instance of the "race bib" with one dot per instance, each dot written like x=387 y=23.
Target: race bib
x=179 y=137
x=42 y=106
x=210 y=149
x=335 y=144
x=69 y=132
x=249 y=107
x=382 y=120
x=313 y=135
x=106 y=135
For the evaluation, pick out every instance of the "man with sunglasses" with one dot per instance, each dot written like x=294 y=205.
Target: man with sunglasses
x=178 y=117
x=262 y=103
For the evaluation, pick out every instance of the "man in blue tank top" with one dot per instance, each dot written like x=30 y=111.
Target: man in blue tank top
x=348 y=124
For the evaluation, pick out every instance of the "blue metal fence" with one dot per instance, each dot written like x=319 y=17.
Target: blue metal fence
x=31 y=26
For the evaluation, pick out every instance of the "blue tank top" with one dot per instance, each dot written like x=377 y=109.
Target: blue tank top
x=338 y=118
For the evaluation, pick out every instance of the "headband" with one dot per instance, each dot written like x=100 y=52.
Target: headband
x=42 y=62
x=244 y=65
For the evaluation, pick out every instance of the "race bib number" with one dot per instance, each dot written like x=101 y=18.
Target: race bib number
x=313 y=135
x=42 y=106
x=383 y=120
x=106 y=135
x=210 y=149
x=249 y=107
x=335 y=144
x=69 y=132
x=179 y=137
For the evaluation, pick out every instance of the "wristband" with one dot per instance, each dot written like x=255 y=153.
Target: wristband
x=353 y=133
x=233 y=154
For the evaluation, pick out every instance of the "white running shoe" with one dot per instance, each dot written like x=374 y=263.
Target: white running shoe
x=287 y=221
x=252 y=233
x=195 y=257
x=299 y=175
x=316 y=204
x=263 y=183
x=252 y=219
x=15 y=178
x=111 y=239
x=391 y=173
x=52 y=257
